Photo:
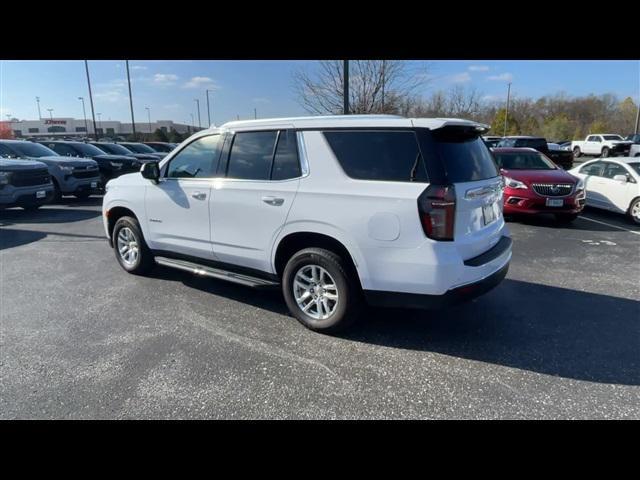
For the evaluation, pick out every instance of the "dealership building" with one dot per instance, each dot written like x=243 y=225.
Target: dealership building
x=72 y=127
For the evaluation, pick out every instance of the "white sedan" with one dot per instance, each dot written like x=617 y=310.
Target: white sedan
x=612 y=184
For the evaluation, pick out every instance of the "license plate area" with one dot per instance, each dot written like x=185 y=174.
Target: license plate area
x=554 y=202
x=41 y=194
x=94 y=184
x=489 y=213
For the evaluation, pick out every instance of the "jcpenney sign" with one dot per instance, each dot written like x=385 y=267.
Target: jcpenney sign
x=55 y=122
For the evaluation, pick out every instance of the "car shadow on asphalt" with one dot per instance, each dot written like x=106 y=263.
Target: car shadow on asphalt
x=548 y=330
x=548 y=221
x=13 y=237
x=45 y=215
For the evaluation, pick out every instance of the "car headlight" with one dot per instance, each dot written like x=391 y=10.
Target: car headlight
x=4 y=178
x=580 y=184
x=116 y=164
x=512 y=183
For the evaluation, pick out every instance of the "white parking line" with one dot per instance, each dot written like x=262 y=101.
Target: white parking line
x=610 y=225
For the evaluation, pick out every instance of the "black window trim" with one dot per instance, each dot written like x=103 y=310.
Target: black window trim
x=165 y=167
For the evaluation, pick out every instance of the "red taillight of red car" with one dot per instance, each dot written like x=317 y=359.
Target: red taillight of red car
x=437 y=210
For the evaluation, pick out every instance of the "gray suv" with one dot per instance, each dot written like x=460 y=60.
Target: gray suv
x=78 y=176
x=24 y=183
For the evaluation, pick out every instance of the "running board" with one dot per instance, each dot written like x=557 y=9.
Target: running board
x=205 y=271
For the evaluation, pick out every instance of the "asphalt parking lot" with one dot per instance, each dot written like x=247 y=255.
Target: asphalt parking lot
x=559 y=338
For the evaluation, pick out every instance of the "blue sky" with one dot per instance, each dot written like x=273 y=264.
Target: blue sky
x=169 y=88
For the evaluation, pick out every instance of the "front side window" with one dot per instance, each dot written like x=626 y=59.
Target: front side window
x=391 y=156
x=251 y=155
x=595 y=169
x=199 y=159
x=62 y=149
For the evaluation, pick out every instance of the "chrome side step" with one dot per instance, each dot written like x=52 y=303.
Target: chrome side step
x=220 y=274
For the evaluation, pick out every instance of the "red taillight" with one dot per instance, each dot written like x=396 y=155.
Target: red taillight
x=437 y=210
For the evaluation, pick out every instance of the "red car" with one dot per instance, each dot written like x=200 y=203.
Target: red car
x=535 y=185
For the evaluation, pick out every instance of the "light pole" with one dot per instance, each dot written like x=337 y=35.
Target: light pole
x=637 y=117
x=198 y=106
x=193 y=122
x=50 y=110
x=38 y=103
x=84 y=112
x=99 y=121
x=345 y=81
x=208 y=111
x=255 y=114
x=93 y=116
x=383 y=82
x=133 y=122
x=148 y=118
x=506 y=115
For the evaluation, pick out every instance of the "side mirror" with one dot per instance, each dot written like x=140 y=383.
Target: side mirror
x=620 y=178
x=151 y=171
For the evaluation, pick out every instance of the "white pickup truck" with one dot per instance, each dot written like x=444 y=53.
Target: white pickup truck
x=602 y=145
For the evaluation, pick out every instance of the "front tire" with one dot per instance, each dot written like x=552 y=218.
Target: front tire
x=605 y=152
x=129 y=246
x=576 y=152
x=634 y=211
x=320 y=290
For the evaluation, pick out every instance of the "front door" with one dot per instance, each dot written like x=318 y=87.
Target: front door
x=178 y=206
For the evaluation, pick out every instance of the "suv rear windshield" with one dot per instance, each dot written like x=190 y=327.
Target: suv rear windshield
x=35 y=150
x=462 y=156
x=113 y=148
x=385 y=155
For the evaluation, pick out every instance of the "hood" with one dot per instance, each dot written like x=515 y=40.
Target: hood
x=113 y=158
x=540 y=176
x=66 y=161
x=145 y=156
x=8 y=165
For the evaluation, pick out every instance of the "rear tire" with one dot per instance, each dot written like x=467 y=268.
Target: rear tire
x=605 y=152
x=82 y=195
x=576 y=152
x=129 y=246
x=566 y=218
x=57 y=193
x=320 y=281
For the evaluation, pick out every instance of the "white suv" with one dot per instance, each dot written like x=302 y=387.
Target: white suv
x=337 y=210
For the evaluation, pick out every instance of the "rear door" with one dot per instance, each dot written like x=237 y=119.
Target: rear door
x=250 y=203
x=470 y=167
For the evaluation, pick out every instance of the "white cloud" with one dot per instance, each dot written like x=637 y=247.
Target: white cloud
x=493 y=98
x=164 y=79
x=503 y=77
x=463 y=77
x=201 y=82
x=138 y=67
x=112 y=91
x=478 y=68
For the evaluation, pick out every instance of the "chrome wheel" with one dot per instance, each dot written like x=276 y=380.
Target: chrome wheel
x=128 y=247
x=635 y=212
x=315 y=292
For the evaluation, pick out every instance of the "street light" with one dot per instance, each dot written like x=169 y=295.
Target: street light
x=84 y=112
x=50 y=110
x=148 y=117
x=133 y=122
x=38 y=102
x=99 y=122
x=198 y=105
x=208 y=111
x=506 y=114
x=345 y=93
x=93 y=116
x=193 y=122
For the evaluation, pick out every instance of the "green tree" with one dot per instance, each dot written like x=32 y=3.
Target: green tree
x=497 y=126
x=558 y=127
x=174 y=136
x=160 y=135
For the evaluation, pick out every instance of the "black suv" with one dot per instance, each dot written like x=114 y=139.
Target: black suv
x=137 y=147
x=562 y=158
x=117 y=149
x=110 y=166
x=161 y=147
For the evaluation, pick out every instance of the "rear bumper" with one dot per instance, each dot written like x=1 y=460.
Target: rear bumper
x=452 y=297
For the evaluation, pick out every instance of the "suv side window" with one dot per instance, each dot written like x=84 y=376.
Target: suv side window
x=594 y=169
x=251 y=155
x=391 y=156
x=62 y=149
x=199 y=159
x=285 y=162
x=613 y=169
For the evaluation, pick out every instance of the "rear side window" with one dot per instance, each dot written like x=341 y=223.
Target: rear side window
x=285 y=162
x=378 y=155
x=613 y=169
x=251 y=155
x=463 y=156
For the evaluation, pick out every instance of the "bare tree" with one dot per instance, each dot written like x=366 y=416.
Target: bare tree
x=375 y=86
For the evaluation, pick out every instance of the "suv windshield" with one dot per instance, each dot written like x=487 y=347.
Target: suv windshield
x=635 y=166
x=139 y=148
x=28 y=149
x=523 y=161
x=612 y=137
x=160 y=147
x=87 y=150
x=113 y=148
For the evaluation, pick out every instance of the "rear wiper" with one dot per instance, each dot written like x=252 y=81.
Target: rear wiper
x=414 y=169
